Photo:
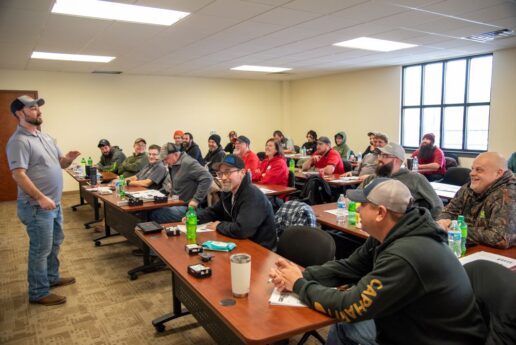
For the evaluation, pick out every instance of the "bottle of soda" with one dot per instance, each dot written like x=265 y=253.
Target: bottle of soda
x=463 y=233
x=415 y=164
x=454 y=241
x=191 y=226
x=90 y=161
x=121 y=187
x=341 y=209
x=292 y=165
x=352 y=213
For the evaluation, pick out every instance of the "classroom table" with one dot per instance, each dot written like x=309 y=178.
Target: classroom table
x=330 y=220
x=88 y=198
x=275 y=189
x=444 y=190
x=251 y=320
x=333 y=180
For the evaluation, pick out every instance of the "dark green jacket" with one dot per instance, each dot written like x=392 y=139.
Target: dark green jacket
x=412 y=285
x=132 y=164
x=113 y=161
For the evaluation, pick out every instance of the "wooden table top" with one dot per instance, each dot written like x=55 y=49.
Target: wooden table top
x=511 y=252
x=330 y=220
x=106 y=176
x=253 y=318
x=113 y=199
x=330 y=179
x=276 y=189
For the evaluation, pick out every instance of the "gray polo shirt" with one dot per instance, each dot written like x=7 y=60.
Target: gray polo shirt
x=155 y=172
x=38 y=154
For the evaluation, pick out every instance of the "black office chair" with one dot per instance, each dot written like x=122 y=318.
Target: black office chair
x=494 y=289
x=347 y=166
x=306 y=246
x=452 y=155
x=261 y=155
x=456 y=176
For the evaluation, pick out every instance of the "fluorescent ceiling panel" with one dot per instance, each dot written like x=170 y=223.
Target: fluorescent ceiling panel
x=265 y=69
x=71 y=57
x=375 y=44
x=117 y=11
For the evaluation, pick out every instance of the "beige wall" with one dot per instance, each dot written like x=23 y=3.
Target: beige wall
x=83 y=108
x=370 y=100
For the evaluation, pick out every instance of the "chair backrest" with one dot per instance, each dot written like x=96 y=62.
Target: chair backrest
x=306 y=246
x=291 y=179
x=452 y=155
x=450 y=162
x=347 y=166
x=261 y=155
x=456 y=176
x=294 y=213
x=494 y=287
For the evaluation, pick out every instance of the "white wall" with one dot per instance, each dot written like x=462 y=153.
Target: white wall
x=80 y=109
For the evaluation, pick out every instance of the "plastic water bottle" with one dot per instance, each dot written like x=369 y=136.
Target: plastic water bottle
x=292 y=165
x=83 y=166
x=463 y=233
x=90 y=161
x=359 y=157
x=341 y=209
x=191 y=226
x=415 y=164
x=454 y=238
x=352 y=213
x=303 y=151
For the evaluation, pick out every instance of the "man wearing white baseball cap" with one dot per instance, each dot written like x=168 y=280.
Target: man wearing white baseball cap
x=407 y=287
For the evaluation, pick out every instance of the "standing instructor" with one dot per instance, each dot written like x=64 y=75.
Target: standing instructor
x=36 y=162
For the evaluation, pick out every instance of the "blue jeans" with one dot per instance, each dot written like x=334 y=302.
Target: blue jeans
x=45 y=230
x=363 y=333
x=168 y=214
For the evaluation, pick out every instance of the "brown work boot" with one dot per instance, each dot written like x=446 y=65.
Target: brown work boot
x=64 y=281
x=51 y=299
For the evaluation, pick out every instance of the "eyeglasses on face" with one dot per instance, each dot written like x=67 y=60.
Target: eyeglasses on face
x=227 y=173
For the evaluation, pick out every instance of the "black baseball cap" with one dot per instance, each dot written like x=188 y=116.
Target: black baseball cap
x=103 y=142
x=244 y=139
x=232 y=161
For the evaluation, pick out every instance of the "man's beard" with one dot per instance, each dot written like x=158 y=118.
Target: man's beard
x=36 y=122
x=384 y=170
x=226 y=187
x=108 y=154
x=426 y=152
x=185 y=144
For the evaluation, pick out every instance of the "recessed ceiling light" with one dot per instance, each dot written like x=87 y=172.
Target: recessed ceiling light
x=260 y=69
x=71 y=57
x=375 y=44
x=116 y=11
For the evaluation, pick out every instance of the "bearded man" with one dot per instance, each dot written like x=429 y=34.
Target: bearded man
x=432 y=163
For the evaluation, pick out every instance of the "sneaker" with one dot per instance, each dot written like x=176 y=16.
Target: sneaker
x=64 y=281
x=51 y=299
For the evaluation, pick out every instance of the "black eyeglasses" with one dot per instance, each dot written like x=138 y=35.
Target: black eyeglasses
x=228 y=173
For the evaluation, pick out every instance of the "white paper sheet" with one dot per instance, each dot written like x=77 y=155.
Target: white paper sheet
x=288 y=299
x=200 y=228
x=499 y=259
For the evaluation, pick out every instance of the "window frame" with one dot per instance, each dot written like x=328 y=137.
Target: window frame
x=442 y=105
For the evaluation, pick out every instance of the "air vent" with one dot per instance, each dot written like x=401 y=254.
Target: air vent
x=107 y=72
x=491 y=36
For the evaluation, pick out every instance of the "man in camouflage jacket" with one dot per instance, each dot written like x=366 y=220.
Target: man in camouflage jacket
x=488 y=203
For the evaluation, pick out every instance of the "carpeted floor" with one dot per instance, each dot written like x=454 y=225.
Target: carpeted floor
x=103 y=307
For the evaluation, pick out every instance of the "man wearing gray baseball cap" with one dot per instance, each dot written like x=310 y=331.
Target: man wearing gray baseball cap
x=390 y=159
x=407 y=287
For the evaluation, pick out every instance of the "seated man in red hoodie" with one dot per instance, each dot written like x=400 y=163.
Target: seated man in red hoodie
x=273 y=169
x=250 y=158
x=325 y=158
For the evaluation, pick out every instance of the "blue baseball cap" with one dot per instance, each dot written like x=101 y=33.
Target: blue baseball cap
x=232 y=161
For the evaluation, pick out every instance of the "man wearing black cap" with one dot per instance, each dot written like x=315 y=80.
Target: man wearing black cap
x=397 y=293
x=243 y=210
x=189 y=180
x=36 y=162
x=251 y=160
x=432 y=162
x=111 y=158
x=192 y=148
x=215 y=152
x=134 y=163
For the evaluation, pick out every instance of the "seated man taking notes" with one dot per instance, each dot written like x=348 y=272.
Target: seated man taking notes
x=243 y=210
x=151 y=175
x=407 y=287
